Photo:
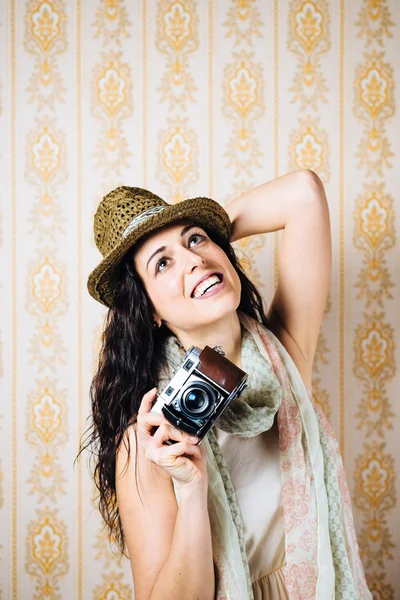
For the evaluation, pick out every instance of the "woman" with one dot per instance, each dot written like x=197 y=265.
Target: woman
x=260 y=509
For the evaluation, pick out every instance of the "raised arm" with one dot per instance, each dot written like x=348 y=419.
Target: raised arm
x=296 y=203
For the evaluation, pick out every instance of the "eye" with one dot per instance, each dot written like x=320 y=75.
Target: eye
x=159 y=262
x=197 y=235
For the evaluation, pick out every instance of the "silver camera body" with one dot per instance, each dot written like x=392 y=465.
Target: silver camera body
x=203 y=386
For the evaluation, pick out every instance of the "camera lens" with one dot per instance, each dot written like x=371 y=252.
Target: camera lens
x=198 y=400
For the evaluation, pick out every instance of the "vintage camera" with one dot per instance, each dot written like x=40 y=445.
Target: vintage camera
x=203 y=386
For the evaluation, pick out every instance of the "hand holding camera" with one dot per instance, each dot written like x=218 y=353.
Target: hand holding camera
x=183 y=460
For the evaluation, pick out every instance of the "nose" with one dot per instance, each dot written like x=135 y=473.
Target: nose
x=191 y=259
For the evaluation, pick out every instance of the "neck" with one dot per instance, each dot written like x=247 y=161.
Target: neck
x=225 y=332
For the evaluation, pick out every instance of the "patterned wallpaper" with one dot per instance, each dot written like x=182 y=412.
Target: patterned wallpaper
x=189 y=97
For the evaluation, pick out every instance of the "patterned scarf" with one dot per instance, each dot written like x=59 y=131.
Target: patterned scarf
x=322 y=556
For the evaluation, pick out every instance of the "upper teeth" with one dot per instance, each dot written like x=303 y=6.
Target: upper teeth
x=201 y=288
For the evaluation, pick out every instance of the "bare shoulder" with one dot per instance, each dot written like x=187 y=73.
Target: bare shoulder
x=148 y=509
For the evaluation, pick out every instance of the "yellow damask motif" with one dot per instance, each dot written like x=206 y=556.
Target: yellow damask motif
x=374 y=365
x=46 y=543
x=46 y=154
x=47 y=561
x=243 y=103
x=112 y=106
x=374 y=344
x=178 y=158
x=374 y=22
x=176 y=37
x=177 y=151
x=47 y=301
x=374 y=235
x=375 y=87
x=113 y=86
x=374 y=104
x=243 y=88
x=45 y=38
x=46 y=414
x=111 y=22
x=309 y=149
x=46 y=168
x=46 y=284
x=375 y=494
x=309 y=38
x=243 y=22
x=45 y=25
x=112 y=588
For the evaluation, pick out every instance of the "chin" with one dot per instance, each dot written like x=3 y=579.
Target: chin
x=220 y=309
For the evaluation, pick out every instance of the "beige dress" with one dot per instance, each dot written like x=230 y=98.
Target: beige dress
x=254 y=467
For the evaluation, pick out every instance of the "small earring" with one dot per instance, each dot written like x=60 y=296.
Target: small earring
x=155 y=325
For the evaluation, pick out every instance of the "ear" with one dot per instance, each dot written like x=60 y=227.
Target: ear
x=157 y=320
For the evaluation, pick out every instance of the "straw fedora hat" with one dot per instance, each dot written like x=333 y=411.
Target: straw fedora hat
x=127 y=214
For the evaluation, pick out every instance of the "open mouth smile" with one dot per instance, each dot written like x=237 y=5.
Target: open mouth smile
x=209 y=287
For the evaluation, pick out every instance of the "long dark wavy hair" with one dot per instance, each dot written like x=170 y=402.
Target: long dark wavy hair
x=129 y=362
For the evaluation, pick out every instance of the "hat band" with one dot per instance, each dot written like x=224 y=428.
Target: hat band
x=142 y=217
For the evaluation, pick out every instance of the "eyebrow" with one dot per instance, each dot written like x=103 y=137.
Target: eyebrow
x=162 y=248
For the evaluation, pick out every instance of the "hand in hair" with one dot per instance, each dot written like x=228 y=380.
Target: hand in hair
x=183 y=460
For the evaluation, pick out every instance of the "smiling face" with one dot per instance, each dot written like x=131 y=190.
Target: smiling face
x=171 y=262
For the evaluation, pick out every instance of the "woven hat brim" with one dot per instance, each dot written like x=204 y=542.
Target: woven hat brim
x=203 y=211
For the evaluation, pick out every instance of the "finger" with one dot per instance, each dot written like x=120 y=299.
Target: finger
x=147 y=421
x=147 y=401
x=182 y=449
x=165 y=456
x=166 y=431
x=182 y=462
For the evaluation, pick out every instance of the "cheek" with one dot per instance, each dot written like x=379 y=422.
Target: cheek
x=234 y=277
x=237 y=284
x=165 y=290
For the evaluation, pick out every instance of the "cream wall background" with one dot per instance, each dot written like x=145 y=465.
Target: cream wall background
x=187 y=98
